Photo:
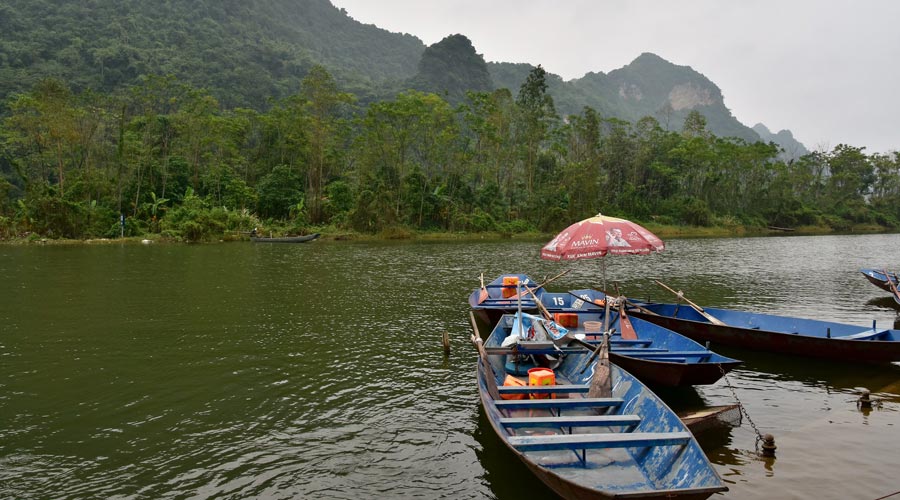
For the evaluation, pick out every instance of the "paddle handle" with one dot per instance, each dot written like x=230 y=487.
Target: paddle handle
x=489 y=376
x=551 y=280
x=712 y=319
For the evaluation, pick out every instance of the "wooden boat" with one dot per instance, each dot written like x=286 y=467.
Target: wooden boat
x=626 y=445
x=879 y=278
x=286 y=239
x=885 y=280
x=656 y=355
x=500 y=297
x=780 y=334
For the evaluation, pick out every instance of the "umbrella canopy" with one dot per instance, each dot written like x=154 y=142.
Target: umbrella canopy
x=600 y=235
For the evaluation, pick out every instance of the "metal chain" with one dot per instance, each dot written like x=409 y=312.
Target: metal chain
x=759 y=436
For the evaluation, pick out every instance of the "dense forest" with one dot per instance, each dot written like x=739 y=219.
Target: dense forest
x=173 y=160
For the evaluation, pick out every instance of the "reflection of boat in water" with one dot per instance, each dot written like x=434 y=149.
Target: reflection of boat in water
x=886 y=303
x=778 y=369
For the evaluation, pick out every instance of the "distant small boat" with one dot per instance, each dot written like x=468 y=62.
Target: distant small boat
x=618 y=443
x=286 y=239
x=778 y=334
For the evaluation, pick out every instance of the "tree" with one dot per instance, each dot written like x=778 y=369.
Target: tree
x=327 y=132
x=537 y=115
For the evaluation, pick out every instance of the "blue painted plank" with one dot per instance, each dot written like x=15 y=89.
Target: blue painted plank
x=576 y=421
x=598 y=441
x=558 y=403
x=543 y=389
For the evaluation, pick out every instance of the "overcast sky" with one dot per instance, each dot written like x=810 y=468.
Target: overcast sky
x=827 y=70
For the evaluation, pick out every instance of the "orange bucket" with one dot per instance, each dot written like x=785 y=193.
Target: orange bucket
x=509 y=286
x=539 y=377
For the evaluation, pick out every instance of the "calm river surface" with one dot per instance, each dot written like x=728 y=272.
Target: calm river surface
x=244 y=370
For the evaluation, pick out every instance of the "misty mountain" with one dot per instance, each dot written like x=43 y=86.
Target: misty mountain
x=785 y=139
x=245 y=54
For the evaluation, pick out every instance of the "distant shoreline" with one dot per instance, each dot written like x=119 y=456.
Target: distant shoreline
x=402 y=234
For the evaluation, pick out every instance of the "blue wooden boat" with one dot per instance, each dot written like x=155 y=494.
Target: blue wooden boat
x=495 y=299
x=625 y=444
x=885 y=280
x=656 y=355
x=880 y=278
x=779 y=334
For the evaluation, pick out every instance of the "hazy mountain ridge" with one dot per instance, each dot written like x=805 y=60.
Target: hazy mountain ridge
x=784 y=138
x=247 y=54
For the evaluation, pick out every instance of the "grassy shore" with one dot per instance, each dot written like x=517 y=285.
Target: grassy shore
x=334 y=234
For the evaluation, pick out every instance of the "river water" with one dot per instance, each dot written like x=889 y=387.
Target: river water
x=246 y=370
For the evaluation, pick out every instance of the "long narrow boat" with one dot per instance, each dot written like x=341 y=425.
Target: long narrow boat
x=656 y=355
x=779 y=334
x=286 y=239
x=501 y=296
x=880 y=278
x=885 y=280
x=628 y=444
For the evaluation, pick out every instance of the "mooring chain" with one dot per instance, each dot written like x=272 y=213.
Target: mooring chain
x=759 y=436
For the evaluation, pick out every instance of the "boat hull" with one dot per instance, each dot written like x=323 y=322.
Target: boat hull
x=878 y=278
x=287 y=239
x=810 y=340
x=661 y=374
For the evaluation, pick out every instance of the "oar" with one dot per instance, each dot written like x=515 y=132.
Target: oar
x=586 y=301
x=892 y=287
x=627 y=329
x=601 y=382
x=709 y=317
x=483 y=294
x=545 y=283
x=489 y=376
x=638 y=306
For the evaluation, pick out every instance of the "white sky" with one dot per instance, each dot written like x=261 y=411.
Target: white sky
x=827 y=70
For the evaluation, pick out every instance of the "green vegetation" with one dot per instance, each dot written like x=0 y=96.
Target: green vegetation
x=179 y=164
x=199 y=120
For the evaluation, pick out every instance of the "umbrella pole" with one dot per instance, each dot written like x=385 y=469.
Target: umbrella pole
x=603 y=269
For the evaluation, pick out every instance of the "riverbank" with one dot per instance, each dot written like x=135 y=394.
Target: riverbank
x=334 y=234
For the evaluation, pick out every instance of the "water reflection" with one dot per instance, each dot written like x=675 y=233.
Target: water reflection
x=506 y=475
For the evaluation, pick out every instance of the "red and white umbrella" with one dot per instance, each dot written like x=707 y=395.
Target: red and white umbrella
x=600 y=235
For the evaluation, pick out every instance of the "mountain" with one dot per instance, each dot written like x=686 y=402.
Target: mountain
x=793 y=149
x=243 y=52
x=648 y=86
x=246 y=53
x=450 y=68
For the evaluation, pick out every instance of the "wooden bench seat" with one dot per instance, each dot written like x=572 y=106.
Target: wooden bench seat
x=624 y=342
x=543 y=389
x=595 y=441
x=562 y=404
x=575 y=421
